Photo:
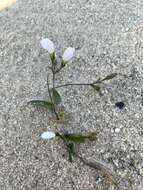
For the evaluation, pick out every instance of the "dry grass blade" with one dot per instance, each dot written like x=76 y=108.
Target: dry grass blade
x=104 y=170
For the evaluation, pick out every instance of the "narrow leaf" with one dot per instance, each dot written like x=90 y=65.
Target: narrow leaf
x=70 y=156
x=71 y=151
x=75 y=138
x=111 y=76
x=80 y=138
x=56 y=96
x=61 y=114
x=42 y=103
x=95 y=87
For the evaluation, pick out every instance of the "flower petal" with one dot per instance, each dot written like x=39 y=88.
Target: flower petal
x=68 y=54
x=48 y=45
x=48 y=135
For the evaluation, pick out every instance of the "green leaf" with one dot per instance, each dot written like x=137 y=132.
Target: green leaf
x=56 y=96
x=95 y=87
x=70 y=157
x=75 y=138
x=71 y=151
x=42 y=103
x=111 y=76
x=80 y=138
x=53 y=57
x=61 y=114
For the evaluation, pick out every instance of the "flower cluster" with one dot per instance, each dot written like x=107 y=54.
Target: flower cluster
x=48 y=45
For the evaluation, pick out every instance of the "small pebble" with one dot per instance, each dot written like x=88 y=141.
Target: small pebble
x=117 y=130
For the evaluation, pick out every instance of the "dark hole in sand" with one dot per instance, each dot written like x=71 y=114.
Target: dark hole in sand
x=120 y=105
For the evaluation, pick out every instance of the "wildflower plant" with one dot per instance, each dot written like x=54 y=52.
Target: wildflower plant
x=54 y=102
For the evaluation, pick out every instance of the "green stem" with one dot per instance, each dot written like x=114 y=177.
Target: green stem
x=73 y=84
x=68 y=145
x=58 y=70
x=53 y=72
x=62 y=137
x=54 y=108
x=77 y=84
x=80 y=84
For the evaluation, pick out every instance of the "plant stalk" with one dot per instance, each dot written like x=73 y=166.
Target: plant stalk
x=54 y=108
x=77 y=84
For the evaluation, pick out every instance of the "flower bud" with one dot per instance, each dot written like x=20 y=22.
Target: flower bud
x=48 y=45
x=68 y=54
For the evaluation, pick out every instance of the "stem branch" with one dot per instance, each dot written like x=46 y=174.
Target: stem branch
x=73 y=84
x=78 y=84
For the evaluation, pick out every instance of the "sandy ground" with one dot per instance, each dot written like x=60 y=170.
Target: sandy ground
x=108 y=37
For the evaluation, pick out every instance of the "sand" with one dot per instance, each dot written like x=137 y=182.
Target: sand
x=108 y=37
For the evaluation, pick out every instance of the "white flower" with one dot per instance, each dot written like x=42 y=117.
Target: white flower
x=48 y=45
x=68 y=54
x=48 y=135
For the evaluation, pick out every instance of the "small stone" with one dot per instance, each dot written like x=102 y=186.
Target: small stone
x=117 y=130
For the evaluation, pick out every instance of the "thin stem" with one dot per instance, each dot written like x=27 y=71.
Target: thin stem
x=62 y=137
x=75 y=84
x=54 y=73
x=53 y=79
x=54 y=108
x=65 y=141
x=58 y=70
x=53 y=82
x=80 y=84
